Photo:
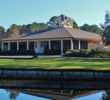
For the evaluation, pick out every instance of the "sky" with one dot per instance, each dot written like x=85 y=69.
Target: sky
x=28 y=11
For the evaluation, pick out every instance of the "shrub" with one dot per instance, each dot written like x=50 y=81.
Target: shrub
x=77 y=53
x=84 y=53
x=99 y=53
x=25 y=52
x=52 y=52
x=88 y=53
x=98 y=49
x=100 y=56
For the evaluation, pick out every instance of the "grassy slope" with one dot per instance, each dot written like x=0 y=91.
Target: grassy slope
x=56 y=63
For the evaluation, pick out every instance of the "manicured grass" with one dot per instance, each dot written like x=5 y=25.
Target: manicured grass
x=56 y=63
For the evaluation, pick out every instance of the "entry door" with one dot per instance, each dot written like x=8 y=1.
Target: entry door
x=36 y=47
x=42 y=46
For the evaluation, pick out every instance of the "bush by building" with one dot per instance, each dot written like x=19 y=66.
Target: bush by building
x=97 y=53
x=14 y=53
x=52 y=52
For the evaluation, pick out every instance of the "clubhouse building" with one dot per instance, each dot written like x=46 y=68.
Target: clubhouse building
x=62 y=36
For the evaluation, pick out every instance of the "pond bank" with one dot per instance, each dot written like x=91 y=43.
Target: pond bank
x=54 y=74
x=60 y=85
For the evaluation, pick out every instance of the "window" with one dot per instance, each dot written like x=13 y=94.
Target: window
x=76 y=44
x=83 y=44
x=31 y=45
x=56 y=45
x=66 y=45
x=22 y=46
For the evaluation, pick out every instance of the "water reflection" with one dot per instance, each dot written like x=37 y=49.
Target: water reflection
x=106 y=95
x=55 y=90
x=5 y=95
x=13 y=94
x=46 y=94
x=96 y=96
x=58 y=85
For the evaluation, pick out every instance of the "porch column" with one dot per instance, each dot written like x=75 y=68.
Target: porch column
x=27 y=45
x=88 y=45
x=2 y=46
x=100 y=42
x=17 y=45
x=71 y=92
x=61 y=47
x=49 y=45
x=79 y=45
x=8 y=46
x=38 y=46
x=71 y=44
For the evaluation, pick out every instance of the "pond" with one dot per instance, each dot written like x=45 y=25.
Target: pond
x=14 y=94
x=96 y=96
x=48 y=90
x=7 y=95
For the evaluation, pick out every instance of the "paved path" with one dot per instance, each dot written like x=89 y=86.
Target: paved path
x=47 y=56
x=17 y=57
x=60 y=56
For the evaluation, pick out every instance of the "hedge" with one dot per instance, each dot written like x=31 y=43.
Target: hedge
x=24 y=52
x=88 y=53
x=52 y=52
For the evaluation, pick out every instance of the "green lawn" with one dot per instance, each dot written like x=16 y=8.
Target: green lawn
x=56 y=63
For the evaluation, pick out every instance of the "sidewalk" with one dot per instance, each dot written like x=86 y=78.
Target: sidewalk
x=60 y=56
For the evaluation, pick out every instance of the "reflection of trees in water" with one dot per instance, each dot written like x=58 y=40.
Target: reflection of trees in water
x=106 y=95
x=13 y=94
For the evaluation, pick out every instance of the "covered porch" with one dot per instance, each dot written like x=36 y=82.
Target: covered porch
x=51 y=44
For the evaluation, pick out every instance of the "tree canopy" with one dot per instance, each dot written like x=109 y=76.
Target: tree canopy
x=75 y=25
x=91 y=28
x=2 y=32
x=106 y=36
x=16 y=30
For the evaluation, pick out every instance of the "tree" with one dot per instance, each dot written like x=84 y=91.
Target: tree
x=16 y=30
x=85 y=27
x=2 y=32
x=23 y=29
x=43 y=26
x=75 y=25
x=91 y=28
x=106 y=36
x=69 y=21
x=36 y=26
x=13 y=30
x=95 y=29
x=54 y=20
